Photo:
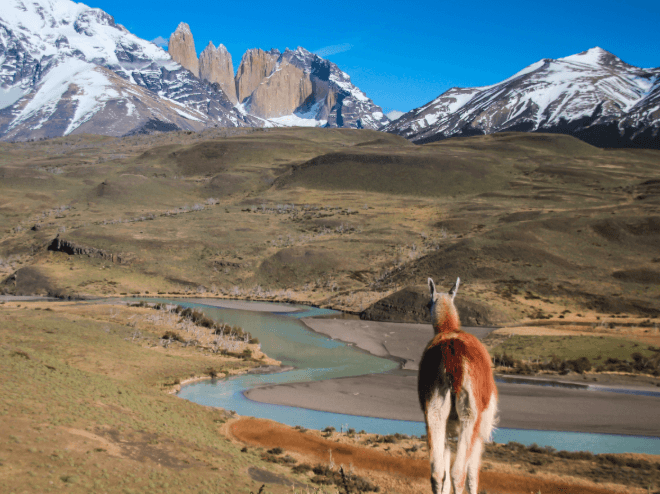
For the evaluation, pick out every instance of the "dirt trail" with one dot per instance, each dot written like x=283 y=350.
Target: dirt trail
x=269 y=434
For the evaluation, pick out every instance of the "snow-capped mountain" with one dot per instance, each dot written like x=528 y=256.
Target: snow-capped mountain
x=593 y=95
x=68 y=68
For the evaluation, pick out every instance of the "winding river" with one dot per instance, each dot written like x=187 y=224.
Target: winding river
x=316 y=357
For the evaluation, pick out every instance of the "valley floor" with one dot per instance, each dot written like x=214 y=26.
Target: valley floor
x=85 y=405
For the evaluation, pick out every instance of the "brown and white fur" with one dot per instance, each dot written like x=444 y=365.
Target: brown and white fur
x=458 y=396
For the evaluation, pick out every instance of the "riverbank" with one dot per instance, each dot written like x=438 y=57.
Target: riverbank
x=402 y=342
x=254 y=306
x=522 y=406
x=400 y=464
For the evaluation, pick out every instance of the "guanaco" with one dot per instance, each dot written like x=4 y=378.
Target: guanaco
x=458 y=396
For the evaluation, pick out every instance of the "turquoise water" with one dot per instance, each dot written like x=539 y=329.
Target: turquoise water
x=316 y=357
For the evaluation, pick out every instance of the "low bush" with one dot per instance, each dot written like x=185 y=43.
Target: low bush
x=302 y=468
x=172 y=336
x=284 y=460
x=576 y=455
x=580 y=365
x=213 y=372
x=346 y=481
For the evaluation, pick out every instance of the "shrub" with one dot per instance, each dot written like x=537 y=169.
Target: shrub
x=322 y=470
x=213 y=373
x=321 y=480
x=576 y=455
x=535 y=448
x=503 y=360
x=171 y=335
x=349 y=482
x=580 y=365
x=302 y=468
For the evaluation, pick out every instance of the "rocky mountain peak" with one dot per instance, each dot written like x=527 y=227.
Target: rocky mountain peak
x=256 y=64
x=183 y=27
x=182 y=48
x=595 y=57
x=215 y=65
x=281 y=92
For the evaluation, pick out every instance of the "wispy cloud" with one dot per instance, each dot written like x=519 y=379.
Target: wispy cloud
x=160 y=41
x=333 y=49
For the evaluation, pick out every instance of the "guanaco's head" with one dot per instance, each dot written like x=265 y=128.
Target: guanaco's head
x=444 y=316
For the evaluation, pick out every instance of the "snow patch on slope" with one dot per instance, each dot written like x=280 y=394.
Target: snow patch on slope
x=394 y=114
x=44 y=100
x=94 y=90
x=294 y=120
x=10 y=95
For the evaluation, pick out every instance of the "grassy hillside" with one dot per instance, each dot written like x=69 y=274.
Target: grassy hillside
x=84 y=407
x=337 y=217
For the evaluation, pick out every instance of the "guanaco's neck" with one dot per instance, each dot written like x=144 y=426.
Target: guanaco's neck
x=445 y=316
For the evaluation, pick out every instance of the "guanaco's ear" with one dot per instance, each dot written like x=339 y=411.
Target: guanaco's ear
x=432 y=288
x=454 y=288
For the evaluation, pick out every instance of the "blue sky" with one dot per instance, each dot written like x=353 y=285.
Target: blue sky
x=404 y=54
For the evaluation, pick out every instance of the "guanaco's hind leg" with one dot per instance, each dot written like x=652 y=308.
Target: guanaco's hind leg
x=484 y=433
x=447 y=472
x=473 y=463
x=467 y=414
x=438 y=409
x=476 y=427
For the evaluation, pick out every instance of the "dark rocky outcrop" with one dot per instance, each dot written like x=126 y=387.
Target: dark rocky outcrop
x=152 y=126
x=410 y=305
x=73 y=249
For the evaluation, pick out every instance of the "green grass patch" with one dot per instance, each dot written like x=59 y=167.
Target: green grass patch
x=596 y=348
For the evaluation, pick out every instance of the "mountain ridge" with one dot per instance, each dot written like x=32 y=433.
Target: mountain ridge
x=592 y=95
